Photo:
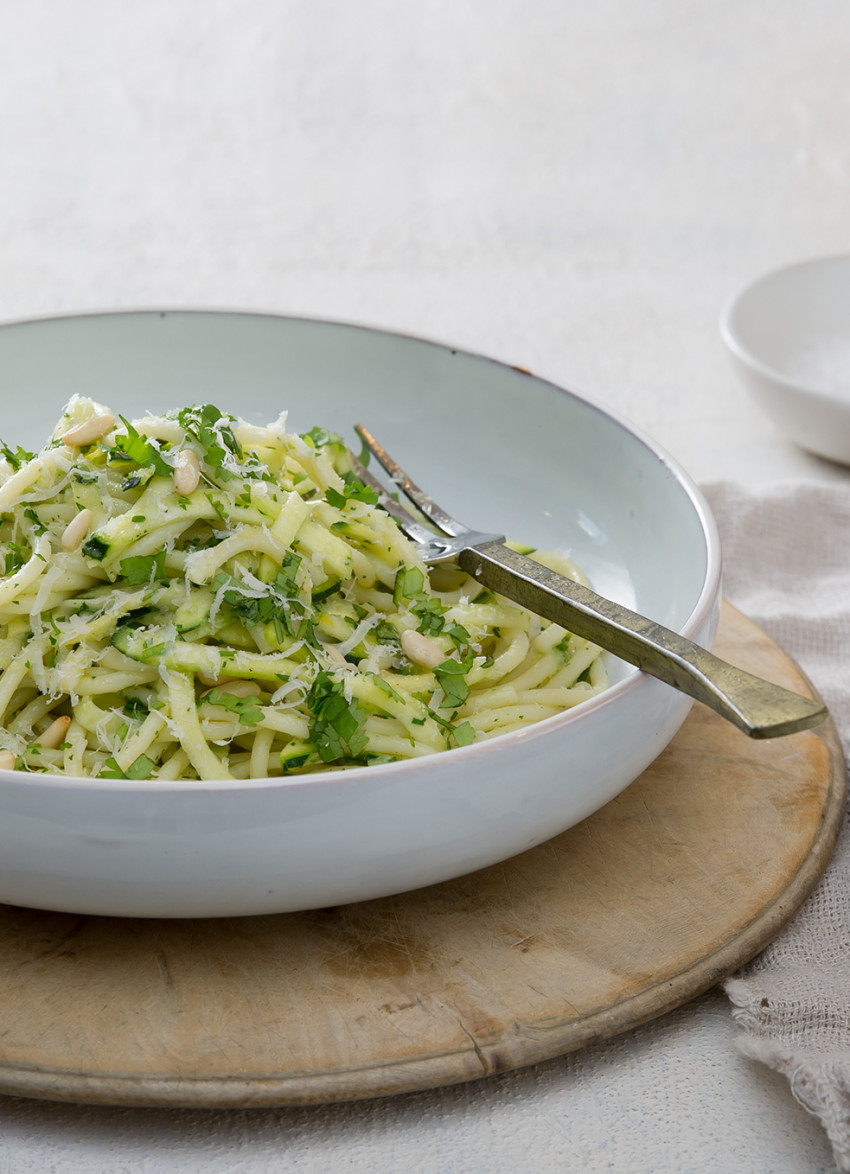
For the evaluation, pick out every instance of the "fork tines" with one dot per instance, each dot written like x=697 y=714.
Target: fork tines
x=414 y=530
x=425 y=504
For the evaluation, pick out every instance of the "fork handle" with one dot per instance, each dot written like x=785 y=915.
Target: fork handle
x=759 y=708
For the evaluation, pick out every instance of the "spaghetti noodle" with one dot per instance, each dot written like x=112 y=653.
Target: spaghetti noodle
x=192 y=596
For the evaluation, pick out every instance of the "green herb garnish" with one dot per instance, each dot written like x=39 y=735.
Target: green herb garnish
x=37 y=524
x=336 y=726
x=17 y=456
x=319 y=437
x=144 y=568
x=136 y=708
x=353 y=490
x=247 y=709
x=139 y=450
x=95 y=548
x=141 y=768
x=430 y=614
x=451 y=676
x=464 y=734
x=279 y=605
x=214 y=433
x=15 y=557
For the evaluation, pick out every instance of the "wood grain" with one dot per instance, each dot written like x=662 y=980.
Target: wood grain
x=650 y=901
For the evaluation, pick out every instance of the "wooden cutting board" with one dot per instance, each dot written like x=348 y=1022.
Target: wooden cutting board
x=650 y=901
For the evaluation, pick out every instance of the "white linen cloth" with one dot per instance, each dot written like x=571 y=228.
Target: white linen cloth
x=786 y=554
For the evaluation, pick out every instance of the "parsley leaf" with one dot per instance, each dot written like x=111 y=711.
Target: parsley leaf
x=458 y=633
x=353 y=490
x=37 y=524
x=214 y=433
x=336 y=726
x=16 y=556
x=144 y=568
x=387 y=688
x=95 y=548
x=464 y=734
x=319 y=437
x=135 y=707
x=279 y=605
x=140 y=768
x=247 y=709
x=385 y=632
x=451 y=678
x=430 y=614
x=140 y=451
x=17 y=456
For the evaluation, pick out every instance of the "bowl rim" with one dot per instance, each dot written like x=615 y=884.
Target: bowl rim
x=699 y=615
x=731 y=335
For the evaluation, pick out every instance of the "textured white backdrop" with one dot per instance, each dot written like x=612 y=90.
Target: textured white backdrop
x=574 y=188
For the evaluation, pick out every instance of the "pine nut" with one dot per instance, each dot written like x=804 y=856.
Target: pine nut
x=76 y=530
x=89 y=431
x=187 y=472
x=420 y=649
x=334 y=654
x=55 y=733
x=7 y=760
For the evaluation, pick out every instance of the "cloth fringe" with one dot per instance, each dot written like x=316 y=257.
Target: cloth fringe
x=787 y=566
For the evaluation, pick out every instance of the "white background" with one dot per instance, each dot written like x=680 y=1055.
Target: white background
x=576 y=188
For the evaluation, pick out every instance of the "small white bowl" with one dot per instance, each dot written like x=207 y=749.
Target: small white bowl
x=501 y=449
x=789 y=334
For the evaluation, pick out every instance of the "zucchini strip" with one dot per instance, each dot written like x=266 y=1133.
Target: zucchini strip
x=211 y=599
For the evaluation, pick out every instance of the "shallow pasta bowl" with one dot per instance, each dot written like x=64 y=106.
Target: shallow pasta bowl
x=515 y=453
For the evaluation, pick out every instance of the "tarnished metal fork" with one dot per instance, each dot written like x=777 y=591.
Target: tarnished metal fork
x=758 y=707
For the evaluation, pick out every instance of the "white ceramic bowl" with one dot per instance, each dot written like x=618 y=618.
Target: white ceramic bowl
x=789 y=334
x=502 y=450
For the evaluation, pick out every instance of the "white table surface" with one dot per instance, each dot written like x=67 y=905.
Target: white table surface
x=575 y=188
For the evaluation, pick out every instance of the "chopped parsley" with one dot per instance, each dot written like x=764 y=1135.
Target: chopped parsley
x=95 y=548
x=464 y=734
x=387 y=688
x=141 y=768
x=386 y=632
x=37 y=524
x=144 y=568
x=319 y=437
x=136 y=707
x=247 y=709
x=84 y=476
x=17 y=456
x=430 y=614
x=279 y=605
x=219 y=507
x=15 y=557
x=353 y=490
x=139 y=450
x=336 y=725
x=451 y=676
x=213 y=431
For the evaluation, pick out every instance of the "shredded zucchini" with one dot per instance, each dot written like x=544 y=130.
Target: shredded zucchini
x=243 y=609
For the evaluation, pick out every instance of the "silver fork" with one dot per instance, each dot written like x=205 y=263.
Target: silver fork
x=758 y=707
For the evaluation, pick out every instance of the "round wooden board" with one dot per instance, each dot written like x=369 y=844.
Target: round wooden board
x=647 y=903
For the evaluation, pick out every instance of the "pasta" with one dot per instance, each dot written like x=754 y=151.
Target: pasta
x=190 y=596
